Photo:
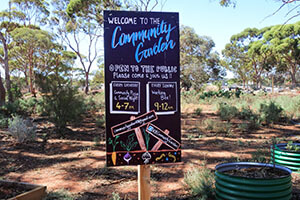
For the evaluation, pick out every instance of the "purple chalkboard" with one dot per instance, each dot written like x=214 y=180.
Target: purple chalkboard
x=142 y=87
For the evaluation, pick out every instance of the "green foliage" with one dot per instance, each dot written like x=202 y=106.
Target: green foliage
x=59 y=195
x=190 y=96
x=254 y=120
x=64 y=105
x=200 y=182
x=217 y=126
x=3 y=121
x=198 y=61
x=95 y=102
x=10 y=108
x=22 y=130
x=271 y=112
x=259 y=156
x=228 y=3
x=61 y=101
x=115 y=196
x=209 y=124
x=198 y=111
x=31 y=105
x=15 y=90
x=220 y=94
x=292 y=147
x=290 y=105
x=227 y=112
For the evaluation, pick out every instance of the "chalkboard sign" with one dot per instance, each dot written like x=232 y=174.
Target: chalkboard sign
x=142 y=88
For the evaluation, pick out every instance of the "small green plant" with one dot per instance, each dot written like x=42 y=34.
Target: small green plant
x=60 y=195
x=22 y=130
x=240 y=143
x=115 y=196
x=200 y=182
x=292 y=147
x=198 y=111
x=271 y=112
x=244 y=127
x=253 y=120
x=209 y=124
x=217 y=126
x=227 y=112
x=259 y=156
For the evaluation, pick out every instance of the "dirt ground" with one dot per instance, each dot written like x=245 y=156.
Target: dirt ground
x=76 y=162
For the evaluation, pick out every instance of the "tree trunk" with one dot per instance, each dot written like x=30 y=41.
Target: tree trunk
x=293 y=75
x=86 y=89
x=294 y=82
x=2 y=93
x=31 y=73
x=6 y=67
x=7 y=81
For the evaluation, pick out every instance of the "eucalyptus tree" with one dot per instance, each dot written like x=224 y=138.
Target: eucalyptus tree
x=35 y=12
x=236 y=60
x=31 y=44
x=6 y=26
x=79 y=23
x=20 y=13
x=143 y=5
x=198 y=61
x=284 y=41
x=244 y=52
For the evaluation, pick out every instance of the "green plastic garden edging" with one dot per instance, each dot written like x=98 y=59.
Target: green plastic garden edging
x=286 y=158
x=231 y=187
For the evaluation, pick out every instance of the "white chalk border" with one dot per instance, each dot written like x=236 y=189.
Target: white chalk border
x=112 y=111
x=148 y=99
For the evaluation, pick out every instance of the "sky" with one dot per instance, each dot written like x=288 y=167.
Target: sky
x=208 y=18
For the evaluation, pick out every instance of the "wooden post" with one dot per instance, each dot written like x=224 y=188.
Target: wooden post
x=144 y=182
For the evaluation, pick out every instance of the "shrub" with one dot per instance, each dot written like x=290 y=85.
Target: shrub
x=200 y=182
x=60 y=100
x=21 y=129
x=209 y=124
x=254 y=120
x=64 y=105
x=217 y=126
x=227 y=112
x=28 y=105
x=271 y=112
x=10 y=109
x=198 y=111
